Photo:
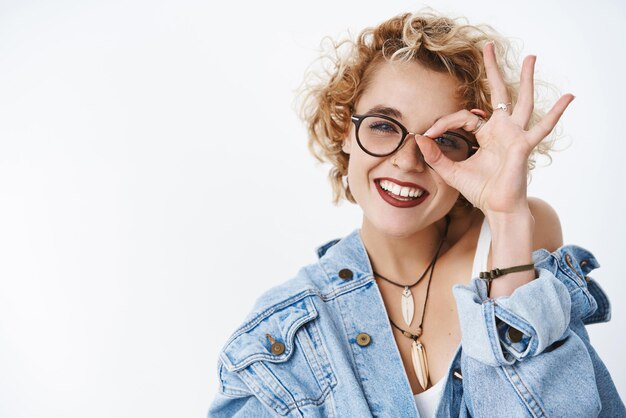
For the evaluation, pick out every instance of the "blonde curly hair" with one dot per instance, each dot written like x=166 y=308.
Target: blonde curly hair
x=329 y=93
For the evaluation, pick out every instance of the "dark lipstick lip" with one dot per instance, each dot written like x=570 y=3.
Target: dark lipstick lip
x=401 y=183
x=400 y=203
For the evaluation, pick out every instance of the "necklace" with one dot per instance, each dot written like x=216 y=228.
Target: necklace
x=418 y=352
x=407 y=303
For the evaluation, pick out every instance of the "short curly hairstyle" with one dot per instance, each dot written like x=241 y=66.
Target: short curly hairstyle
x=329 y=95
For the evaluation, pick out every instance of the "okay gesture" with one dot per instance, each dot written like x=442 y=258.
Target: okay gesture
x=494 y=179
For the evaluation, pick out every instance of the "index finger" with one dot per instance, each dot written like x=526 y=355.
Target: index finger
x=463 y=119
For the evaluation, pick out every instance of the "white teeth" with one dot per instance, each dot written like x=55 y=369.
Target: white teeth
x=399 y=190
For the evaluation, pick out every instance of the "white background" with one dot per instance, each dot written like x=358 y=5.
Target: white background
x=154 y=180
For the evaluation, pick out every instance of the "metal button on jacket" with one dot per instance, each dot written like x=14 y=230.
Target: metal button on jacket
x=515 y=335
x=278 y=348
x=363 y=339
x=345 y=274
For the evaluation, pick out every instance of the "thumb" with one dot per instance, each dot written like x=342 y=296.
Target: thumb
x=435 y=158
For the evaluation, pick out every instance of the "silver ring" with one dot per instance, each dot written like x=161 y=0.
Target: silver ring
x=503 y=106
x=479 y=125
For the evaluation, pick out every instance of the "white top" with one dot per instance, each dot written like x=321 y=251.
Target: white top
x=482 y=249
x=428 y=401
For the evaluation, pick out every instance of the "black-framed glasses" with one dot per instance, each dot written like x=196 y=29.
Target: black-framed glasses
x=381 y=135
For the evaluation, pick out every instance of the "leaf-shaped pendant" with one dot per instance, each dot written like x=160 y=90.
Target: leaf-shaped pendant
x=420 y=363
x=408 y=308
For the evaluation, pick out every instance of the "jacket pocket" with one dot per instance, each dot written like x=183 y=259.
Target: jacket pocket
x=280 y=356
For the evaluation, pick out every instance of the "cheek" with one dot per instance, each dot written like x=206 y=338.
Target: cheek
x=447 y=193
x=358 y=161
x=359 y=168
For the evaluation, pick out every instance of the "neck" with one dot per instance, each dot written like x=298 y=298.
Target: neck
x=402 y=258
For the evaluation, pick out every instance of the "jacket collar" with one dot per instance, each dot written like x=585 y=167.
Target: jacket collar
x=345 y=262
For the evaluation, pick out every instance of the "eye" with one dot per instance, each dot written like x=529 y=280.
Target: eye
x=384 y=127
x=448 y=140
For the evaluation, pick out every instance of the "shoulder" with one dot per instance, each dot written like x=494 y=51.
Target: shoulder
x=279 y=353
x=320 y=278
x=275 y=316
x=571 y=264
x=547 y=233
x=342 y=265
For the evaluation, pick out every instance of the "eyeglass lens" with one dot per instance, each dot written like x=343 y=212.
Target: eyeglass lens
x=381 y=136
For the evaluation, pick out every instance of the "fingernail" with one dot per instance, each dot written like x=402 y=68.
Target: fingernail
x=428 y=133
x=479 y=112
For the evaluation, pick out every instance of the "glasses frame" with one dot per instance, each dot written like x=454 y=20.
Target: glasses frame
x=358 y=119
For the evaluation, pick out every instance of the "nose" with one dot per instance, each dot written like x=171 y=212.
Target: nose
x=409 y=157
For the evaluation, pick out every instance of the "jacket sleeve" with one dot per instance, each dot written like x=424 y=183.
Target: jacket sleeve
x=234 y=399
x=501 y=331
x=529 y=340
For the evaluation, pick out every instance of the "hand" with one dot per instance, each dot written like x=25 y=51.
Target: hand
x=494 y=179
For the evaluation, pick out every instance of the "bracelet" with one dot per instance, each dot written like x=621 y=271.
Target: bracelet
x=495 y=273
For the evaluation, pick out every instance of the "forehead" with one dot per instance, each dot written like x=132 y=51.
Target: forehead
x=421 y=95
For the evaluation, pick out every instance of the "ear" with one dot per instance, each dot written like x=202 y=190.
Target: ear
x=346 y=145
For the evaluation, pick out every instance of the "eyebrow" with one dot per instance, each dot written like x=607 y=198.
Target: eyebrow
x=386 y=110
x=395 y=113
x=390 y=111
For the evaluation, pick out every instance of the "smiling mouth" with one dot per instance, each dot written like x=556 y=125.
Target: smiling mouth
x=402 y=193
x=406 y=196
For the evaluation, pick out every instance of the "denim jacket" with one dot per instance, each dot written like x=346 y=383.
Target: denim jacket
x=298 y=355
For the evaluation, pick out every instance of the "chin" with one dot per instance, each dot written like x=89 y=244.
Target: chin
x=398 y=228
x=401 y=223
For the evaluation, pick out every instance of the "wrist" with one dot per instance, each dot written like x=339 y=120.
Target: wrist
x=503 y=219
x=512 y=236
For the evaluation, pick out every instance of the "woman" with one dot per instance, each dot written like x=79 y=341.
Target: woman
x=456 y=296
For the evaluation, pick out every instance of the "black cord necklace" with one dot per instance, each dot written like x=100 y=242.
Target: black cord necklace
x=407 y=304
x=418 y=352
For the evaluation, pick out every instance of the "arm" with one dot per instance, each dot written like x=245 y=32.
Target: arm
x=549 y=364
x=520 y=350
x=519 y=303
x=516 y=235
